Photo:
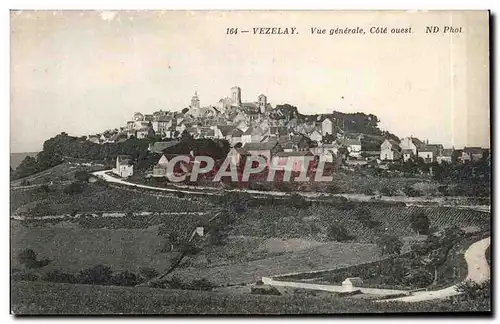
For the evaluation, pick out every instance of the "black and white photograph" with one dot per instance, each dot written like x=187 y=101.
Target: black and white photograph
x=250 y=162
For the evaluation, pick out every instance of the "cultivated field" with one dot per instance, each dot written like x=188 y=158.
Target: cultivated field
x=98 y=198
x=311 y=223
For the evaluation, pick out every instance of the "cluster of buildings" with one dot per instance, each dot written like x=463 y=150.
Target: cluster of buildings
x=411 y=148
x=256 y=128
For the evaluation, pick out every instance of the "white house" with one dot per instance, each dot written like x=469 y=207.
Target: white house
x=351 y=283
x=327 y=126
x=390 y=151
x=446 y=156
x=410 y=143
x=430 y=152
x=124 y=167
x=353 y=146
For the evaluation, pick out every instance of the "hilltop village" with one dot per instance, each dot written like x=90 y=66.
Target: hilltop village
x=258 y=128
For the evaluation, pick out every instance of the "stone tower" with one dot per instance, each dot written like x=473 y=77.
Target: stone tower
x=195 y=101
x=236 y=95
x=262 y=100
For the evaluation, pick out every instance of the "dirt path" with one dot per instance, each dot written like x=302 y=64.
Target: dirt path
x=478 y=271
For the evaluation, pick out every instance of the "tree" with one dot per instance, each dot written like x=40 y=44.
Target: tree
x=363 y=215
x=338 y=233
x=98 y=275
x=82 y=175
x=420 y=223
x=74 y=188
x=27 y=257
x=389 y=244
x=124 y=278
x=147 y=273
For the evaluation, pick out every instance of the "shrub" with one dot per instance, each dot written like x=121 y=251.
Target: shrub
x=98 y=275
x=82 y=175
x=25 y=276
x=473 y=290
x=265 y=290
x=298 y=201
x=388 y=191
x=59 y=276
x=147 y=273
x=389 y=244
x=419 y=278
x=124 y=278
x=74 y=188
x=28 y=258
x=201 y=284
x=420 y=223
x=411 y=192
x=175 y=283
x=338 y=233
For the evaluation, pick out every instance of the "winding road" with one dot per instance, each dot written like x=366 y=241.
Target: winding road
x=211 y=191
x=478 y=271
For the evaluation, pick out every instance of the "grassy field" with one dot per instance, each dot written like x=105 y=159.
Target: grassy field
x=326 y=256
x=241 y=260
x=312 y=222
x=49 y=298
x=73 y=249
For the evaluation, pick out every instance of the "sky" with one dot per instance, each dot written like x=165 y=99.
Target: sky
x=83 y=72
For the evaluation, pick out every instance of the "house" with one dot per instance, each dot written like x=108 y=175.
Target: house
x=410 y=143
x=124 y=167
x=315 y=135
x=408 y=154
x=327 y=156
x=446 y=156
x=145 y=132
x=246 y=137
x=278 y=131
x=225 y=131
x=266 y=149
x=161 y=124
x=429 y=152
x=293 y=161
x=350 y=284
x=293 y=143
x=158 y=147
x=353 y=146
x=93 y=139
x=390 y=150
x=327 y=126
x=471 y=154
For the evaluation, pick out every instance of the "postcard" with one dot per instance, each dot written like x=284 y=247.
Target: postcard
x=258 y=162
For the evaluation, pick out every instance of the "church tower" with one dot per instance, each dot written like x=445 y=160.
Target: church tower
x=262 y=100
x=195 y=101
x=236 y=95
